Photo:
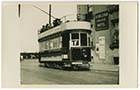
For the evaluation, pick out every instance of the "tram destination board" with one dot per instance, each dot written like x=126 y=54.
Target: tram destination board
x=101 y=21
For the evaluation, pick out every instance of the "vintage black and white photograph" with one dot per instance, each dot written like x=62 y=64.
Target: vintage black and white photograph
x=65 y=44
x=69 y=44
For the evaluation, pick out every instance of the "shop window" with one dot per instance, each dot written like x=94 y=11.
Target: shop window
x=115 y=36
x=88 y=16
x=116 y=60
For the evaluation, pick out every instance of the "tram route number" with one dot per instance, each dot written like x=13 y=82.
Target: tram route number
x=74 y=42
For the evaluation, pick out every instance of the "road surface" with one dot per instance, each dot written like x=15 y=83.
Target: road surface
x=32 y=73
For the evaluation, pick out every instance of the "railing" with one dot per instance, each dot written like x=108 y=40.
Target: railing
x=56 y=22
x=69 y=17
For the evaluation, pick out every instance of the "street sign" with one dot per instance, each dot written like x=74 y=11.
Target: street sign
x=101 y=21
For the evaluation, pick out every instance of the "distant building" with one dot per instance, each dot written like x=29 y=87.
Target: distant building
x=105 y=31
x=29 y=55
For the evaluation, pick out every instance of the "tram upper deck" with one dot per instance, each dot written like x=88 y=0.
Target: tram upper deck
x=73 y=25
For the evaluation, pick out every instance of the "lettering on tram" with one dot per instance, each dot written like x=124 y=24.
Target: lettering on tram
x=75 y=39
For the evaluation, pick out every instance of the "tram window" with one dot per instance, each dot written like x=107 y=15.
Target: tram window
x=75 y=39
x=46 y=45
x=55 y=43
x=75 y=35
x=83 y=39
x=51 y=44
x=89 y=41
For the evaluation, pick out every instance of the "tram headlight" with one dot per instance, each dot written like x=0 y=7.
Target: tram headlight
x=85 y=56
x=65 y=56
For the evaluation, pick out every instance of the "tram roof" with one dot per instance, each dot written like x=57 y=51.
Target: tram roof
x=82 y=25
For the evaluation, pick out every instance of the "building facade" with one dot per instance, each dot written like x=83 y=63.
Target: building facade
x=105 y=31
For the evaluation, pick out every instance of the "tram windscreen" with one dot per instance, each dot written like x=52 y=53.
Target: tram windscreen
x=75 y=39
x=83 y=39
x=75 y=36
x=79 y=39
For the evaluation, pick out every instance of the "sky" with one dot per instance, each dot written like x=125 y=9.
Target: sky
x=32 y=19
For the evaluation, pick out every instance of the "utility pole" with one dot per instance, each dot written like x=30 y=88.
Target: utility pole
x=50 y=14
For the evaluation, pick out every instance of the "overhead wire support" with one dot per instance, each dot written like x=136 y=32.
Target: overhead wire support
x=44 y=11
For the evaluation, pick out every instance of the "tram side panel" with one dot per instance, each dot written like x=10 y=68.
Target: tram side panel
x=51 y=50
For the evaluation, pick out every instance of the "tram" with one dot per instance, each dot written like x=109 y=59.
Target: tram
x=66 y=45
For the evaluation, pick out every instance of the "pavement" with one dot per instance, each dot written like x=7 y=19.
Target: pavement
x=105 y=67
